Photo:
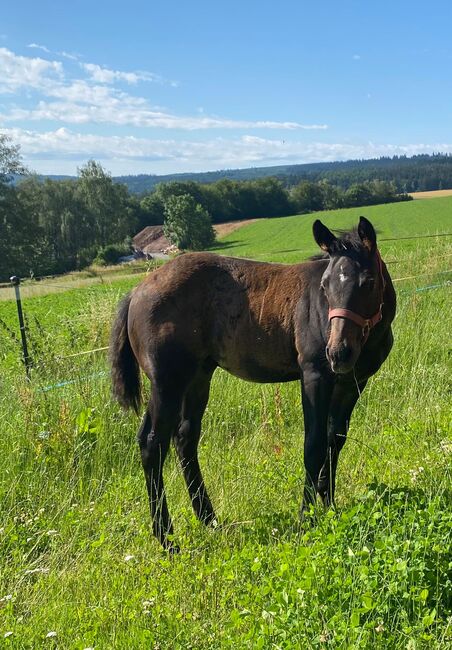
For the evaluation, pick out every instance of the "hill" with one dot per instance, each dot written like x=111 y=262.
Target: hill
x=289 y=239
x=410 y=174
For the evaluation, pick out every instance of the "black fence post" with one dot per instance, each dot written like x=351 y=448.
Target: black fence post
x=15 y=281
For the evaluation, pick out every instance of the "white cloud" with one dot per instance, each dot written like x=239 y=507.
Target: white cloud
x=105 y=75
x=26 y=72
x=72 y=56
x=35 y=46
x=96 y=100
x=84 y=104
x=66 y=55
x=52 y=151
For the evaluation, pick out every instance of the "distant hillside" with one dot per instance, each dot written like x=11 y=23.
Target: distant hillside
x=416 y=174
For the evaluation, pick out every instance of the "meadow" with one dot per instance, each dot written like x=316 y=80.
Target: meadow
x=78 y=565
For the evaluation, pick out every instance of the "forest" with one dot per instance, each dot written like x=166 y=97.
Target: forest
x=418 y=173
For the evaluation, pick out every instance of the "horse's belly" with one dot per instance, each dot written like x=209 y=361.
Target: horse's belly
x=252 y=369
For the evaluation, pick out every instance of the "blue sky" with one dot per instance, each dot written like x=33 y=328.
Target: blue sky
x=179 y=86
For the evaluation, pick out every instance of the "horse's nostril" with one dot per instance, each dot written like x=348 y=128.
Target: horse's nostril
x=344 y=354
x=339 y=355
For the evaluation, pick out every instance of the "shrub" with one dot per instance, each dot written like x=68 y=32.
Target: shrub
x=110 y=254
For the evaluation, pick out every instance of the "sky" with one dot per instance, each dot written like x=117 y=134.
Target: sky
x=157 y=88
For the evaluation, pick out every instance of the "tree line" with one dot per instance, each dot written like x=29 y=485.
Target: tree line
x=49 y=227
x=52 y=227
x=228 y=200
x=410 y=174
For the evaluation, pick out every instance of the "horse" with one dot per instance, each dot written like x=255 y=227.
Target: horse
x=326 y=322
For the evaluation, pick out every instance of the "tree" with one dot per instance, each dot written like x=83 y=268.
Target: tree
x=20 y=239
x=106 y=202
x=10 y=161
x=307 y=197
x=151 y=211
x=332 y=195
x=187 y=224
x=357 y=195
x=271 y=198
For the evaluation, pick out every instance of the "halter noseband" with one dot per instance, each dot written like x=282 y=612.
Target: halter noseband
x=366 y=324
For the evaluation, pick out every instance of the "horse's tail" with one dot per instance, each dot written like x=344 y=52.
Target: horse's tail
x=125 y=372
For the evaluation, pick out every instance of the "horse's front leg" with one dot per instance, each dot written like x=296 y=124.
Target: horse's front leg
x=344 y=398
x=316 y=391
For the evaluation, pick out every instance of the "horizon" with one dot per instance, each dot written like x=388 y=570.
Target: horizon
x=171 y=90
x=225 y=170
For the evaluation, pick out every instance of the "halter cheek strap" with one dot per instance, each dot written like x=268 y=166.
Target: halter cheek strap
x=366 y=324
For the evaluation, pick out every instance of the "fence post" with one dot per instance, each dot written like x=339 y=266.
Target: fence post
x=15 y=281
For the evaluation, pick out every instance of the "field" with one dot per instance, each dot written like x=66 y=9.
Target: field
x=78 y=566
x=433 y=194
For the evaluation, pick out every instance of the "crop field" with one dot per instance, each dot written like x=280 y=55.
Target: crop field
x=433 y=194
x=79 y=567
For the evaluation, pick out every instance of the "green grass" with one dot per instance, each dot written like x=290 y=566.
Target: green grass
x=289 y=239
x=76 y=554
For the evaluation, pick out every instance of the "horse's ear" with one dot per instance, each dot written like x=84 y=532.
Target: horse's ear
x=324 y=237
x=367 y=234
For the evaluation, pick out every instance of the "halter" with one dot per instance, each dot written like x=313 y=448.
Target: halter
x=366 y=324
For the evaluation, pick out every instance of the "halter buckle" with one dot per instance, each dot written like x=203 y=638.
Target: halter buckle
x=366 y=329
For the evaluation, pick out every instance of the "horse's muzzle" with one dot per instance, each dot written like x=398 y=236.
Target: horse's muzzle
x=341 y=358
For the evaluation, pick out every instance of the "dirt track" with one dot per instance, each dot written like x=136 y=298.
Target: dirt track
x=223 y=229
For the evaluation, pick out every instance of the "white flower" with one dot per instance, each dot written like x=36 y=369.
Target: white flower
x=51 y=635
x=445 y=446
x=6 y=598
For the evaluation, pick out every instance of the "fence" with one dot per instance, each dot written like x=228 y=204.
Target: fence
x=15 y=281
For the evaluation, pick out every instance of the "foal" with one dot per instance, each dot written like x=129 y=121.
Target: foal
x=326 y=321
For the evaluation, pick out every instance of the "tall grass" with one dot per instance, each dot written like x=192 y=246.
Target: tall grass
x=76 y=554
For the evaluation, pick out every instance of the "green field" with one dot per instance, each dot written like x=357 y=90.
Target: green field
x=289 y=239
x=76 y=554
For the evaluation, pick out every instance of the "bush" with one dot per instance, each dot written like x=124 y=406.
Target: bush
x=110 y=254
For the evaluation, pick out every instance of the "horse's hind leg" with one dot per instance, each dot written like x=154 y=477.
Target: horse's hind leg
x=159 y=423
x=186 y=441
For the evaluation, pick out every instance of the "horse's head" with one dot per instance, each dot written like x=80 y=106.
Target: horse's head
x=353 y=284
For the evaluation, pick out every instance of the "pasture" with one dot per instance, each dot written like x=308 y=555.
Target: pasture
x=79 y=567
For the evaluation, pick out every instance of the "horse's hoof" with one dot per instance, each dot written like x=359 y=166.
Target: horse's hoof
x=307 y=516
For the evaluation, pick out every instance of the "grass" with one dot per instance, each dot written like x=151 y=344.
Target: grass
x=76 y=555
x=92 y=276
x=289 y=239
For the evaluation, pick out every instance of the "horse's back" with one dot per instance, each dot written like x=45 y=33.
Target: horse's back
x=238 y=313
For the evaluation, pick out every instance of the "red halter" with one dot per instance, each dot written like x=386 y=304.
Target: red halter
x=366 y=324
